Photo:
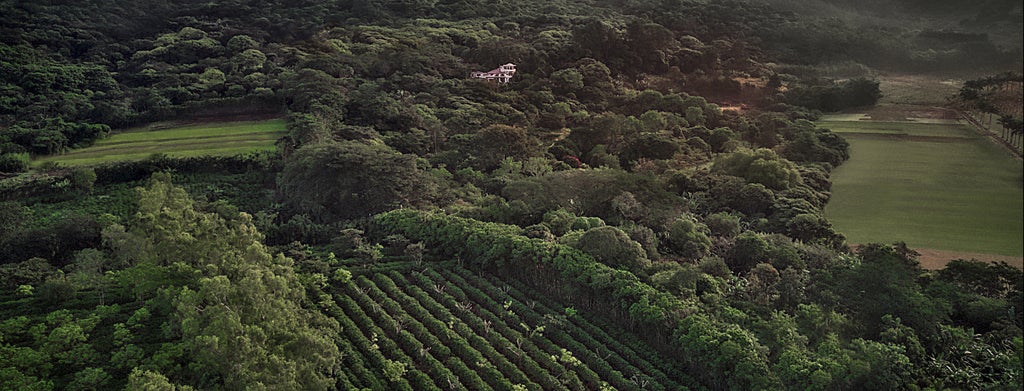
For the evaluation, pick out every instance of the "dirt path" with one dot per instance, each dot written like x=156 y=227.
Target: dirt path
x=932 y=259
x=937 y=259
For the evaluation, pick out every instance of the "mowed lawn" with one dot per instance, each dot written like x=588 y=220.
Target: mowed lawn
x=937 y=186
x=209 y=139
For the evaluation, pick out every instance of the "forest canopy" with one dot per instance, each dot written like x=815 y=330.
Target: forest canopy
x=640 y=206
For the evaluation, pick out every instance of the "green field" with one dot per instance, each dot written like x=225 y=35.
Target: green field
x=209 y=139
x=937 y=186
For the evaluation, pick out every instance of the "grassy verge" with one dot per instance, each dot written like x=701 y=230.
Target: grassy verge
x=948 y=189
x=956 y=131
x=212 y=139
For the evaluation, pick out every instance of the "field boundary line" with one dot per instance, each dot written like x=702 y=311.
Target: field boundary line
x=1017 y=154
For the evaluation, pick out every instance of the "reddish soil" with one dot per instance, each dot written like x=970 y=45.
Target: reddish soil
x=932 y=259
x=902 y=112
x=936 y=259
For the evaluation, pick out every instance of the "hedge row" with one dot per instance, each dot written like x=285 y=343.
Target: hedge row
x=720 y=355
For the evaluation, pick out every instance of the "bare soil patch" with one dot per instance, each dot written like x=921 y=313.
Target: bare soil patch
x=932 y=259
x=908 y=137
x=925 y=90
x=904 y=112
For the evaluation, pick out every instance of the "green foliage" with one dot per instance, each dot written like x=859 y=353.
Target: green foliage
x=352 y=179
x=983 y=278
x=14 y=162
x=749 y=250
x=811 y=144
x=688 y=239
x=762 y=166
x=732 y=349
x=611 y=246
x=152 y=381
x=56 y=290
x=884 y=283
x=83 y=179
x=559 y=221
x=654 y=146
x=723 y=224
x=221 y=284
x=678 y=278
x=380 y=115
x=857 y=92
x=496 y=247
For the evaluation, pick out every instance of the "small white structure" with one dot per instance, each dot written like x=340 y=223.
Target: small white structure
x=500 y=74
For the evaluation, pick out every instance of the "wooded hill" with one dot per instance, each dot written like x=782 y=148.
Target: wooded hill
x=598 y=222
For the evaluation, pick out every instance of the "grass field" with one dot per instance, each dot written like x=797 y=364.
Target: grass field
x=936 y=186
x=910 y=129
x=220 y=139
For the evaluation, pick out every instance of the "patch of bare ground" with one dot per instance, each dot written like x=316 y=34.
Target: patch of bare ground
x=932 y=259
x=905 y=112
x=919 y=89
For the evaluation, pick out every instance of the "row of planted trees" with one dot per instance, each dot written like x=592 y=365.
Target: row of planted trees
x=451 y=329
x=995 y=102
x=617 y=293
x=874 y=320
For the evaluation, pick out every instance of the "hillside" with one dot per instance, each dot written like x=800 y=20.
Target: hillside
x=640 y=206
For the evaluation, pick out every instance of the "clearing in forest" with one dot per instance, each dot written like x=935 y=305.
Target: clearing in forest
x=933 y=185
x=207 y=139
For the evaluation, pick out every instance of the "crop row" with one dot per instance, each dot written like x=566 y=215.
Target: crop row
x=624 y=365
x=454 y=330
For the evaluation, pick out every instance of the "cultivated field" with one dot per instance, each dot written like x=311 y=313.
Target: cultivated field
x=454 y=329
x=933 y=185
x=219 y=139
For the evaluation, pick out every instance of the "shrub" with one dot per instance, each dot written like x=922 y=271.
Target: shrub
x=723 y=224
x=56 y=290
x=749 y=250
x=559 y=221
x=762 y=166
x=686 y=238
x=14 y=162
x=611 y=246
x=538 y=231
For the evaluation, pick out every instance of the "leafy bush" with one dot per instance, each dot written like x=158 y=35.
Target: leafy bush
x=762 y=166
x=857 y=92
x=14 y=162
x=352 y=179
x=723 y=224
x=611 y=246
x=688 y=239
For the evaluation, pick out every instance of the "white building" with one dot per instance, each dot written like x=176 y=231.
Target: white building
x=500 y=74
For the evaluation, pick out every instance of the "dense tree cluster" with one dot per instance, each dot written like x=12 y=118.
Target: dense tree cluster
x=212 y=306
x=606 y=178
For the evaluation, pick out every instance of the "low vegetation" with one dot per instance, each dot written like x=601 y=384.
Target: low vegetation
x=939 y=186
x=207 y=139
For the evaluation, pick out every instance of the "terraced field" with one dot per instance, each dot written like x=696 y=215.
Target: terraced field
x=208 y=139
x=931 y=184
x=451 y=329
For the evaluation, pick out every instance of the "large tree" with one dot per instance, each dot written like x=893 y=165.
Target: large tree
x=235 y=313
x=351 y=179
